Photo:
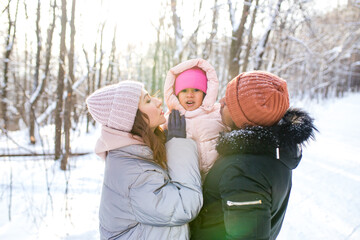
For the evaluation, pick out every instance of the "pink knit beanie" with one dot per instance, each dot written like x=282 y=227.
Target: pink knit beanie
x=191 y=78
x=115 y=106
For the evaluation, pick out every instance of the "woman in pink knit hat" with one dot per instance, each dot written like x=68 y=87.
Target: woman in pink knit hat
x=151 y=190
x=192 y=88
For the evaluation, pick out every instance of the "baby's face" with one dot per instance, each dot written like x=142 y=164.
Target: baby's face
x=191 y=98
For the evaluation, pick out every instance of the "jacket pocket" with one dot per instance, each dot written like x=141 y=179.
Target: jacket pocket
x=246 y=217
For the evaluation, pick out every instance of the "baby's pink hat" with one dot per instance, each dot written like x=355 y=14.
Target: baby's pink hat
x=191 y=78
x=115 y=105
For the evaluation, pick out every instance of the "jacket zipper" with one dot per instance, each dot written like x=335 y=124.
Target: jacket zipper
x=231 y=203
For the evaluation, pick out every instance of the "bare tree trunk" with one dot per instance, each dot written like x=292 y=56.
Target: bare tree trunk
x=39 y=87
x=69 y=96
x=10 y=40
x=237 y=39
x=99 y=83
x=93 y=70
x=60 y=83
x=209 y=41
x=91 y=78
x=50 y=34
x=25 y=82
x=25 y=78
x=264 y=39
x=178 y=33
x=156 y=58
x=110 y=69
x=38 y=49
x=36 y=76
x=88 y=86
x=192 y=44
x=250 y=38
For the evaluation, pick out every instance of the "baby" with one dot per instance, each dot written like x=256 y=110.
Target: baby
x=192 y=87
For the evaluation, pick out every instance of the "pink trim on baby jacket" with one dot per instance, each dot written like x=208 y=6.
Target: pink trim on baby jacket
x=203 y=124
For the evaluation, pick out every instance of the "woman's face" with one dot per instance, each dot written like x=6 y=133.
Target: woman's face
x=151 y=106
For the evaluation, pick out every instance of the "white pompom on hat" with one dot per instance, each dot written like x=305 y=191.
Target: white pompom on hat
x=115 y=106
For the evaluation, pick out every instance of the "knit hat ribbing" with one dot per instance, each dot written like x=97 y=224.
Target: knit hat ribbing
x=115 y=106
x=257 y=98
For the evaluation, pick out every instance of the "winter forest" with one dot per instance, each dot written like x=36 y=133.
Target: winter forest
x=54 y=53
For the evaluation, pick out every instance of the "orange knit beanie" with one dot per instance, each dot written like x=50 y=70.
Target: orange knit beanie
x=257 y=98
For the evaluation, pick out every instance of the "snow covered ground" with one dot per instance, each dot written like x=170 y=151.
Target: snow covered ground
x=38 y=201
x=325 y=200
x=44 y=202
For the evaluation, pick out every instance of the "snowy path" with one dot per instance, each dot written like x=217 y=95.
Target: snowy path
x=325 y=200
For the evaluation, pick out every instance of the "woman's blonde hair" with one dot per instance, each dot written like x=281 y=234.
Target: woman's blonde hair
x=154 y=139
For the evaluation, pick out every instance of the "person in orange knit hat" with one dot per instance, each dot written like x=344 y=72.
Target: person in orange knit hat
x=247 y=190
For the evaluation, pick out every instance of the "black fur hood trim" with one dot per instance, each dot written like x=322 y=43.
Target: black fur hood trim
x=296 y=127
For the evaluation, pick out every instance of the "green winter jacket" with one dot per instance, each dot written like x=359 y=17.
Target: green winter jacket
x=246 y=192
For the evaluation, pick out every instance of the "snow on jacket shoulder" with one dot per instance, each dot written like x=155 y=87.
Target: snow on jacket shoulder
x=140 y=200
x=203 y=124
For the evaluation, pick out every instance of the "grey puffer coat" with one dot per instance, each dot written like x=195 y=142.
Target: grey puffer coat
x=140 y=200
